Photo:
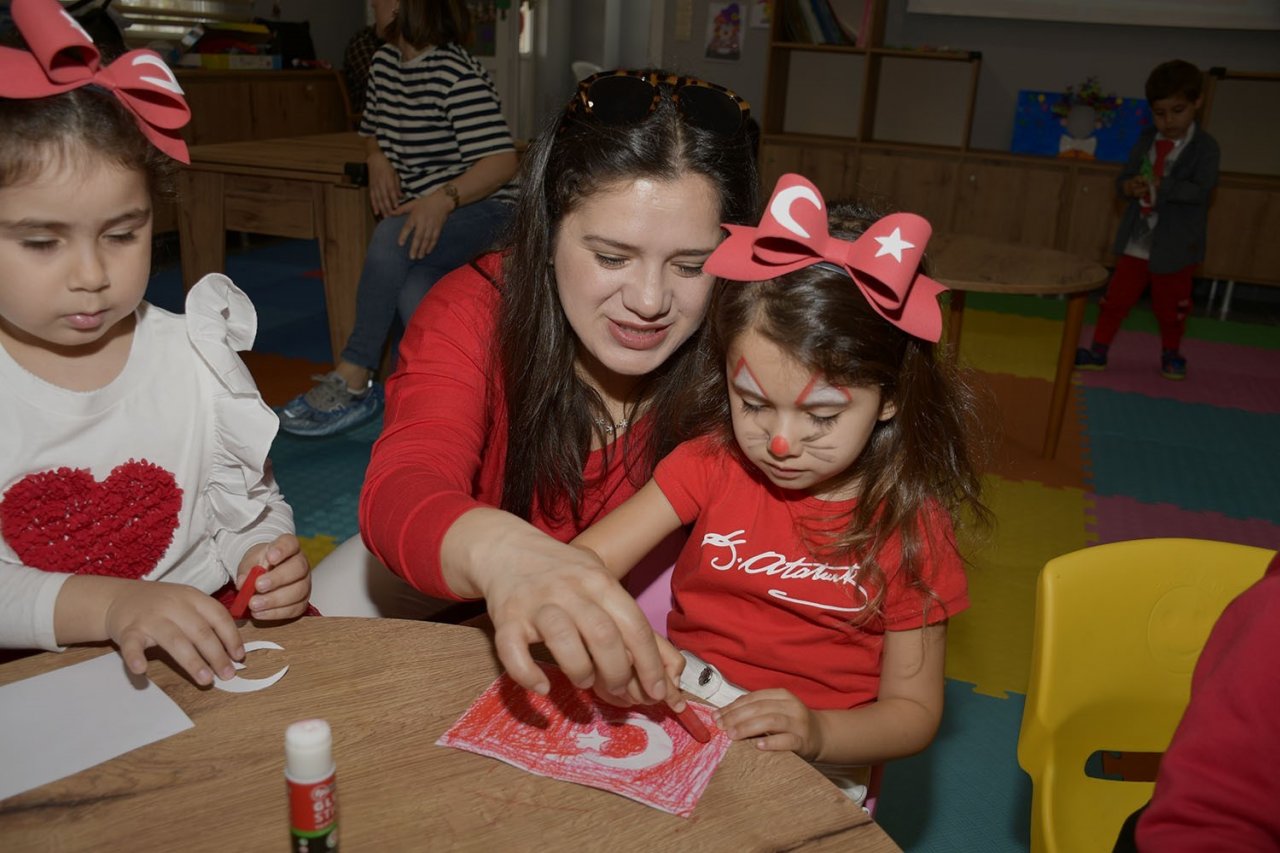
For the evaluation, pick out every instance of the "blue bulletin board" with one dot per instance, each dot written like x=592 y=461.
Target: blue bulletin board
x=1040 y=128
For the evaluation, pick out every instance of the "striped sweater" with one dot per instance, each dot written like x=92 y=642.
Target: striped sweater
x=434 y=116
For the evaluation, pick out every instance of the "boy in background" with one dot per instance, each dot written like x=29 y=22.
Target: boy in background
x=1168 y=180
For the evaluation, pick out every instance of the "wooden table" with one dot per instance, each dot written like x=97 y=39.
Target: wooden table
x=293 y=187
x=966 y=264
x=389 y=688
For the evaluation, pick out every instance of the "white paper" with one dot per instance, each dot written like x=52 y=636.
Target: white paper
x=68 y=720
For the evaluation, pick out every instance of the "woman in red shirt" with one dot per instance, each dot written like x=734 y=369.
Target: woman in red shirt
x=538 y=388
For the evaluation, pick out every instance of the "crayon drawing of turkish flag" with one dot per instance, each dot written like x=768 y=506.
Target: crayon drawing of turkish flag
x=570 y=734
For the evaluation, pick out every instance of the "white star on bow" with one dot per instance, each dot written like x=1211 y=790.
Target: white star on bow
x=893 y=245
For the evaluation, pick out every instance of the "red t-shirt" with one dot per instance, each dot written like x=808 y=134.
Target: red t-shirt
x=444 y=438
x=752 y=600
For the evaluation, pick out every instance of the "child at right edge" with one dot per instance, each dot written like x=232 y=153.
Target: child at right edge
x=1168 y=180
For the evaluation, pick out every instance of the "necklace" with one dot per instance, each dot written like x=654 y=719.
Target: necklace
x=612 y=428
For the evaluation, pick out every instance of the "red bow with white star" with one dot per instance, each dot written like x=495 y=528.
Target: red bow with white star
x=884 y=262
x=63 y=57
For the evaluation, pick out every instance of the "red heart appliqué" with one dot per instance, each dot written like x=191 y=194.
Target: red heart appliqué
x=66 y=521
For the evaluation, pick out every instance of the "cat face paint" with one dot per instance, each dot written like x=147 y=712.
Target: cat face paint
x=814 y=434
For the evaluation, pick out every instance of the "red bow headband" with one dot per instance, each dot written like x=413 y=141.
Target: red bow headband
x=63 y=57
x=884 y=262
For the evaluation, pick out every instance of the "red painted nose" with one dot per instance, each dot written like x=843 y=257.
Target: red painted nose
x=778 y=446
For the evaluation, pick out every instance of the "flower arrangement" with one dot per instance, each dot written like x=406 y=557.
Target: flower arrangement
x=1089 y=94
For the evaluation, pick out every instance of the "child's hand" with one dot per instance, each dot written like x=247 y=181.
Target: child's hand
x=778 y=718
x=283 y=590
x=1136 y=187
x=195 y=629
x=672 y=661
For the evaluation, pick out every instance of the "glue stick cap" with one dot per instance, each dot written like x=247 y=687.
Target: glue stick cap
x=308 y=750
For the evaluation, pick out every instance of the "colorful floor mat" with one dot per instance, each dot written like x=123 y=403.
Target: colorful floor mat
x=1008 y=343
x=1224 y=374
x=966 y=793
x=1190 y=455
x=1117 y=518
x=988 y=645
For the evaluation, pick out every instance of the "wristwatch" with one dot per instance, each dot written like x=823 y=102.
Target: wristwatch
x=452 y=192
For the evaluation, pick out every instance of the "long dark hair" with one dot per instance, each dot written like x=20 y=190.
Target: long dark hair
x=430 y=22
x=38 y=132
x=552 y=413
x=922 y=458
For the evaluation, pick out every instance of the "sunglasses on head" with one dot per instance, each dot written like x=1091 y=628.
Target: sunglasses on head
x=627 y=97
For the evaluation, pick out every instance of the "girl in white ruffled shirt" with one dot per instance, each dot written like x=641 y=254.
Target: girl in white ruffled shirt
x=135 y=489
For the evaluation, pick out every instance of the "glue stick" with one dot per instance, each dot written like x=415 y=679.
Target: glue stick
x=313 y=793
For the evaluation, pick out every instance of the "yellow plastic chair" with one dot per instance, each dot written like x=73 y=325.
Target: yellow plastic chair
x=1118 y=630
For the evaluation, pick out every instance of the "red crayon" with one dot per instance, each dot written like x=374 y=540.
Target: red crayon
x=241 y=604
x=692 y=723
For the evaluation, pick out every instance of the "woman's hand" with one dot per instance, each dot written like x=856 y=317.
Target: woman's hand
x=780 y=721
x=539 y=590
x=195 y=629
x=384 y=184
x=424 y=219
x=633 y=694
x=283 y=590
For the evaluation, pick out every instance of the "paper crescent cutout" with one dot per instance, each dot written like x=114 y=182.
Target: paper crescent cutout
x=249 y=685
x=657 y=750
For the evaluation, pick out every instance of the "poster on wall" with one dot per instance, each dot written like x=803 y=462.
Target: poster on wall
x=1065 y=124
x=761 y=13
x=724 y=31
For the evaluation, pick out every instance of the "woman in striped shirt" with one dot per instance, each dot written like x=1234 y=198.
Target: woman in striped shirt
x=441 y=161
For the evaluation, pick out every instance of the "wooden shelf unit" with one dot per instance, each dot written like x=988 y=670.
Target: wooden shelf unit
x=1064 y=204
x=839 y=91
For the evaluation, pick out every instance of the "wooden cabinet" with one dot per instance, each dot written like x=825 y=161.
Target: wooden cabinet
x=1093 y=213
x=236 y=106
x=903 y=179
x=1243 y=221
x=1017 y=202
x=832 y=167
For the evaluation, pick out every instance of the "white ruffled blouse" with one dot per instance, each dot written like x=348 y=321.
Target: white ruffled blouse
x=87 y=479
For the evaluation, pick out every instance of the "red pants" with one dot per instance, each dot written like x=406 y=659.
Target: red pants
x=1170 y=300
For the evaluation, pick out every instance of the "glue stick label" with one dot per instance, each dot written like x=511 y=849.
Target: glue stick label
x=313 y=815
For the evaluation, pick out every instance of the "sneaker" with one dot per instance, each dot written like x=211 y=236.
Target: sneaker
x=1172 y=365
x=1093 y=358
x=330 y=407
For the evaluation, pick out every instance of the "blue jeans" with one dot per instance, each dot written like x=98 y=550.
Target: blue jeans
x=391 y=281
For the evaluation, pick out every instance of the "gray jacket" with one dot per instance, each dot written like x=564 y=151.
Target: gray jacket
x=1182 y=202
